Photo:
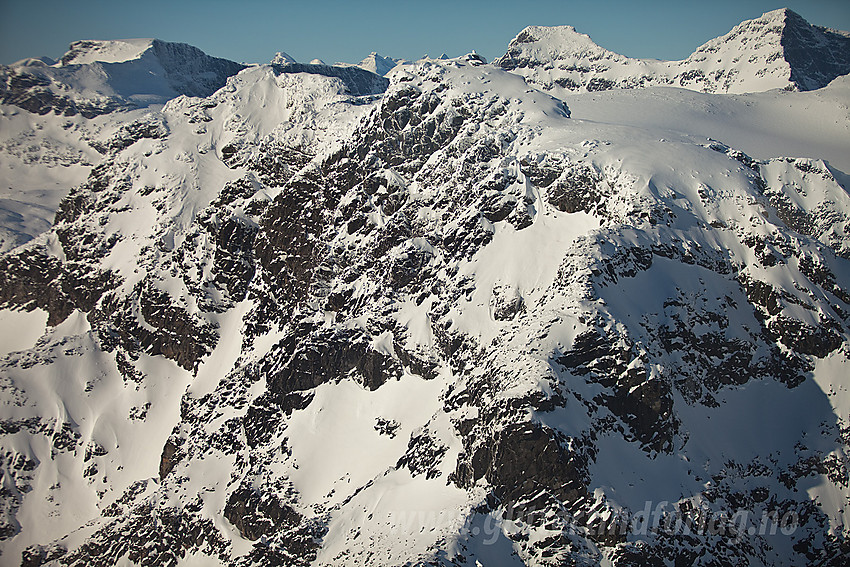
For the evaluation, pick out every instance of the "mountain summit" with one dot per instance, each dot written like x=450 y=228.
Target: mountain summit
x=379 y=64
x=97 y=77
x=778 y=50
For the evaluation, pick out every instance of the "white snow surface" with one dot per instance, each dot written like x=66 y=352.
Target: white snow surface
x=41 y=158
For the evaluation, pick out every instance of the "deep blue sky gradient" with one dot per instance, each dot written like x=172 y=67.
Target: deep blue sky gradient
x=334 y=30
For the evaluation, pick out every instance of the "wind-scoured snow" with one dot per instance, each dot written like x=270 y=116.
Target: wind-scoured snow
x=114 y=51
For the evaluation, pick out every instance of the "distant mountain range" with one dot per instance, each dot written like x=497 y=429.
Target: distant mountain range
x=778 y=50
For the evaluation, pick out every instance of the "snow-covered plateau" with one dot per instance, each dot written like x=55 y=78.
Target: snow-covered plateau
x=567 y=308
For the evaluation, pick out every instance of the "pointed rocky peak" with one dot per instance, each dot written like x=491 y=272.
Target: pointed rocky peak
x=780 y=44
x=764 y=32
x=817 y=55
x=473 y=56
x=282 y=58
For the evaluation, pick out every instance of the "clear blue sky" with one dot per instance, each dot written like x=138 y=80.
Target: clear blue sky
x=334 y=30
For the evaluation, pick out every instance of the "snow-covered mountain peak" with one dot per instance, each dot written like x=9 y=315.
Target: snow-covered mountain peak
x=469 y=78
x=379 y=64
x=282 y=58
x=105 y=51
x=777 y=50
x=557 y=42
x=98 y=77
x=34 y=62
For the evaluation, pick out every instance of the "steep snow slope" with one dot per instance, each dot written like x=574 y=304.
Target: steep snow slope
x=162 y=172
x=446 y=325
x=43 y=153
x=778 y=50
x=41 y=158
x=56 y=117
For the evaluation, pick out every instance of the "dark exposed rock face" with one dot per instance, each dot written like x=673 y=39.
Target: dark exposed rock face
x=156 y=536
x=527 y=459
x=255 y=515
x=29 y=93
x=192 y=72
x=357 y=81
x=308 y=358
x=646 y=406
x=578 y=190
x=168 y=459
x=814 y=69
x=33 y=279
x=164 y=329
x=129 y=134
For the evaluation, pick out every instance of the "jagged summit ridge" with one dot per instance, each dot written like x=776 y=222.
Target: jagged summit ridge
x=777 y=50
x=515 y=315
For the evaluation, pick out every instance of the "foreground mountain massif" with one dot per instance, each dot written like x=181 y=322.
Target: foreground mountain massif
x=299 y=314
